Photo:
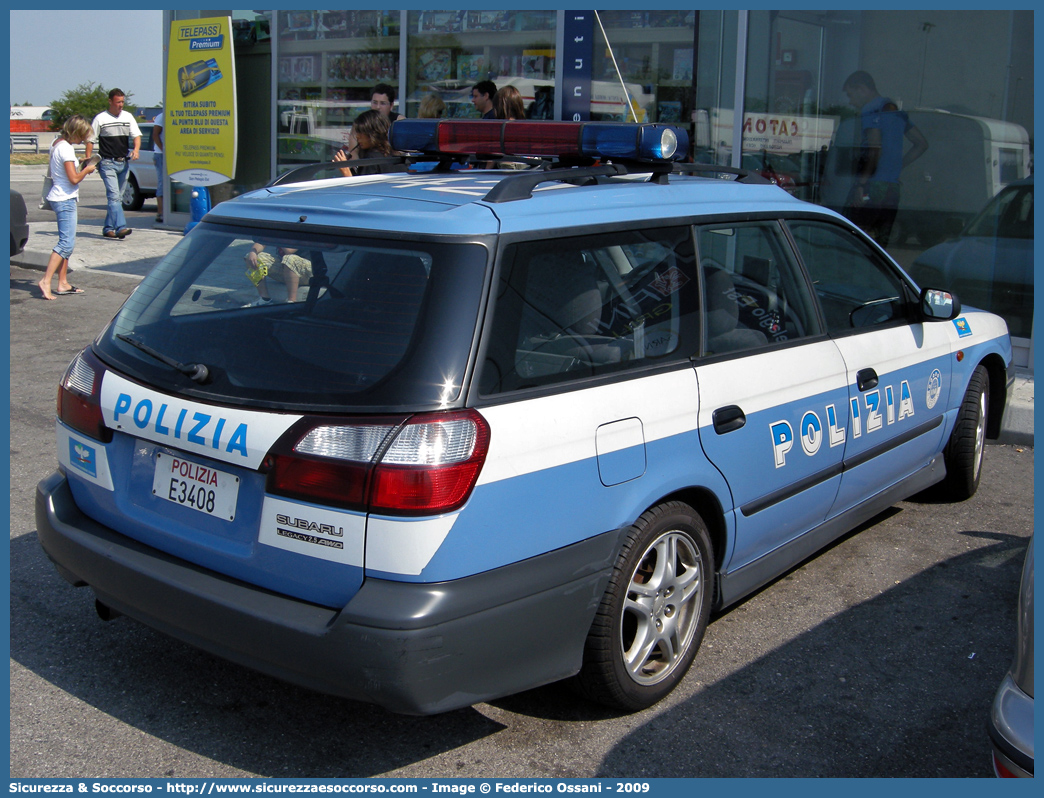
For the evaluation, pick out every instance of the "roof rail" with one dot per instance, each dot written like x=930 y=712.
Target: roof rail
x=520 y=185
x=309 y=171
x=724 y=172
x=396 y=163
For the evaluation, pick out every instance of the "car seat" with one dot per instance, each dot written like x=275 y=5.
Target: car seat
x=723 y=331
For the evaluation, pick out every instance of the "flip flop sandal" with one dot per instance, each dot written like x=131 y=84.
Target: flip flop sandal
x=72 y=290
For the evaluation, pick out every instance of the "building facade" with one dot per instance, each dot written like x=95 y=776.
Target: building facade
x=783 y=93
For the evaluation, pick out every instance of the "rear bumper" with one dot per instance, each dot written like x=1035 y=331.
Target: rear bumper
x=1011 y=729
x=19 y=238
x=412 y=648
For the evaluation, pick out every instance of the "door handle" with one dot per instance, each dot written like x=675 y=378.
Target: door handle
x=866 y=379
x=728 y=419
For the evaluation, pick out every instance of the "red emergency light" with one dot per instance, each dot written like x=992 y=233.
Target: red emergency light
x=594 y=140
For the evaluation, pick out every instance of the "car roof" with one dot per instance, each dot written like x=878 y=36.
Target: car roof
x=437 y=203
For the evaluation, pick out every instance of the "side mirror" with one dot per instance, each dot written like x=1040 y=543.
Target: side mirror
x=939 y=305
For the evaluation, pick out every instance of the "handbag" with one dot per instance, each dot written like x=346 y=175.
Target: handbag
x=48 y=184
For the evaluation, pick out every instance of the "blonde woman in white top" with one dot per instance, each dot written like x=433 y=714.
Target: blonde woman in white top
x=63 y=197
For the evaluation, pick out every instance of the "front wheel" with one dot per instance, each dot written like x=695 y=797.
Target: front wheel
x=966 y=448
x=654 y=612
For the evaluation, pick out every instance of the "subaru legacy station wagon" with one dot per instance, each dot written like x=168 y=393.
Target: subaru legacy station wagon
x=446 y=432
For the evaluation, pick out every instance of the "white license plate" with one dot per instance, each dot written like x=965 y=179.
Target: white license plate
x=196 y=486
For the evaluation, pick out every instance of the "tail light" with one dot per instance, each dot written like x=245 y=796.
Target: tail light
x=423 y=465
x=79 y=397
x=1000 y=769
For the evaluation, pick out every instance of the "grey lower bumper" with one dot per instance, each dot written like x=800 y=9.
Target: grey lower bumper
x=412 y=648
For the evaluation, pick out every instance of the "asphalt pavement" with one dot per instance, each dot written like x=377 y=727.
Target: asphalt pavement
x=143 y=249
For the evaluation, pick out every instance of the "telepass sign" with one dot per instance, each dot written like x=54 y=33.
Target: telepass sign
x=200 y=102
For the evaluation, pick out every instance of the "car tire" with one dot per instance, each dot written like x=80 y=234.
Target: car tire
x=654 y=613
x=966 y=448
x=133 y=199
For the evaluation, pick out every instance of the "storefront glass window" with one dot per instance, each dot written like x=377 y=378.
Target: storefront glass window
x=448 y=52
x=328 y=64
x=648 y=54
x=715 y=88
x=908 y=123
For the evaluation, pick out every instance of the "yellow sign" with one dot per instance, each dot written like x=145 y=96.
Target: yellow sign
x=199 y=109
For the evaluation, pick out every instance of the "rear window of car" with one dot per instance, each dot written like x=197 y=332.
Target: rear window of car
x=147 y=137
x=377 y=323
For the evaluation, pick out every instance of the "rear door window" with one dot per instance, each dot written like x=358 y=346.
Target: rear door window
x=570 y=308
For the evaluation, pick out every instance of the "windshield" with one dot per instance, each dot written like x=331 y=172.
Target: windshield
x=303 y=321
x=1008 y=215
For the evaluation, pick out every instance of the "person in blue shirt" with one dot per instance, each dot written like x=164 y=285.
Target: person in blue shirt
x=482 y=94
x=874 y=199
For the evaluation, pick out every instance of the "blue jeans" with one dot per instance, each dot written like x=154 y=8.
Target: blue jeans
x=157 y=159
x=65 y=210
x=114 y=176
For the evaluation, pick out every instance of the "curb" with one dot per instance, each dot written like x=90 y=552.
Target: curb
x=1017 y=425
x=27 y=259
x=132 y=256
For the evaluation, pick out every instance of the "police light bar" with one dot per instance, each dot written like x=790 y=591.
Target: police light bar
x=595 y=140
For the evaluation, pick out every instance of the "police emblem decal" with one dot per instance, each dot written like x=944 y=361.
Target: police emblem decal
x=934 y=388
x=83 y=457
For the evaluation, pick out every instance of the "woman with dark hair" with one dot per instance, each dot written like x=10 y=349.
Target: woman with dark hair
x=370 y=132
x=507 y=103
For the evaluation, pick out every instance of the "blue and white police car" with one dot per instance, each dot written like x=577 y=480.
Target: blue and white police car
x=427 y=439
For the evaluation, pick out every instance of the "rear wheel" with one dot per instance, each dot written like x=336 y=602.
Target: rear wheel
x=967 y=445
x=132 y=196
x=654 y=613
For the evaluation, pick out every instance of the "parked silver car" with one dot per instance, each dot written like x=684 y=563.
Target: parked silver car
x=1011 y=718
x=141 y=182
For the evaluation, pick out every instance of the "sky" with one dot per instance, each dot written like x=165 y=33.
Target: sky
x=55 y=51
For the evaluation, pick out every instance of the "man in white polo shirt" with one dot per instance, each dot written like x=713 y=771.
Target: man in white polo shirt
x=113 y=131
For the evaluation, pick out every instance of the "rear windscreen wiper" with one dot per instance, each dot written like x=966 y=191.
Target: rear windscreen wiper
x=194 y=371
